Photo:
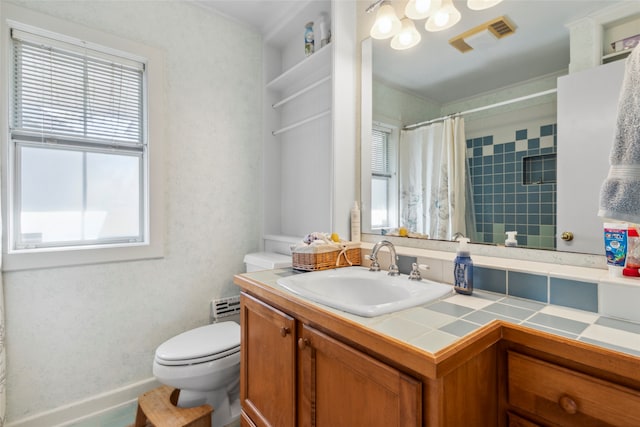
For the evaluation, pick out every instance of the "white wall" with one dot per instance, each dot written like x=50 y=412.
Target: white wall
x=400 y=108
x=73 y=333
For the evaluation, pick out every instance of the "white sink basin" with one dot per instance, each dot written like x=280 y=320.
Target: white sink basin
x=360 y=291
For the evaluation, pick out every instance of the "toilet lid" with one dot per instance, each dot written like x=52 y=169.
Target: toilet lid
x=201 y=343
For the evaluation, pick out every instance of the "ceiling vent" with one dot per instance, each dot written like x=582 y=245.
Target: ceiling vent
x=498 y=27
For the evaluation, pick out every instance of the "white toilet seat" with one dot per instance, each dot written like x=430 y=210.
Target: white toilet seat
x=200 y=345
x=204 y=359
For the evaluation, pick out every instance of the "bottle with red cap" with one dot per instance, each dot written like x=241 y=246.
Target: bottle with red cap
x=632 y=268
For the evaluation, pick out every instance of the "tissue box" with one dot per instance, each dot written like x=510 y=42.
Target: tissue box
x=627 y=43
x=325 y=257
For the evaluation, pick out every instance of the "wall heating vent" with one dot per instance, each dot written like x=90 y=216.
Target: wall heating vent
x=498 y=27
x=224 y=307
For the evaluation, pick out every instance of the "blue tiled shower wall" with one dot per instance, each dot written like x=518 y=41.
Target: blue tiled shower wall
x=514 y=186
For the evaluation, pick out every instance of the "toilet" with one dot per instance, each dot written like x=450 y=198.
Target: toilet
x=204 y=363
x=266 y=261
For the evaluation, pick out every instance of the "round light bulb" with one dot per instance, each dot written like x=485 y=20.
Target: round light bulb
x=481 y=4
x=387 y=23
x=444 y=18
x=441 y=18
x=407 y=37
x=384 y=25
x=422 y=6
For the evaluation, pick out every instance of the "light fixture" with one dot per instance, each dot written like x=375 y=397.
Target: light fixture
x=407 y=37
x=445 y=17
x=421 y=9
x=481 y=4
x=387 y=23
x=441 y=14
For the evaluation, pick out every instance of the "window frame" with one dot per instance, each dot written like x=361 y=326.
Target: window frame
x=393 y=137
x=152 y=245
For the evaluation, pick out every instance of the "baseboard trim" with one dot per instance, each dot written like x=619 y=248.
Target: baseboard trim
x=87 y=408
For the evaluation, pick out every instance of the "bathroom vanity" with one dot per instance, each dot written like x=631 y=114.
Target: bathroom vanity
x=305 y=364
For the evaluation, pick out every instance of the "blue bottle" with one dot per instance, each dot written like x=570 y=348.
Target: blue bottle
x=463 y=269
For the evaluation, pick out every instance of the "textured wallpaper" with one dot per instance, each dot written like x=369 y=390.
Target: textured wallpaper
x=73 y=333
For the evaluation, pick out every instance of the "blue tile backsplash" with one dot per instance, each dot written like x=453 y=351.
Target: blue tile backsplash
x=573 y=293
x=529 y=286
x=538 y=287
x=514 y=186
x=490 y=279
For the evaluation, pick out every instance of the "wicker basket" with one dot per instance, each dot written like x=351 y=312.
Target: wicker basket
x=325 y=257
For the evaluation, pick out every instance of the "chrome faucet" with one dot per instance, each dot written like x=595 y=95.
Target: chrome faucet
x=375 y=266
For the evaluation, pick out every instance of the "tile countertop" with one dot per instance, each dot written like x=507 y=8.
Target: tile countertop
x=436 y=325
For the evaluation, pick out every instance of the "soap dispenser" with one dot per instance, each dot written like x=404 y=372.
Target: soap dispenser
x=463 y=268
x=511 y=239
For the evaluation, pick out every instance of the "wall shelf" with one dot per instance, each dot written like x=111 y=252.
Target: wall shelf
x=301 y=122
x=615 y=56
x=310 y=69
x=301 y=92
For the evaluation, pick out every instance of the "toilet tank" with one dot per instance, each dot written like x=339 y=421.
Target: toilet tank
x=266 y=261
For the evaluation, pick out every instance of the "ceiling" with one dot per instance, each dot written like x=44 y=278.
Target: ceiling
x=435 y=70
x=261 y=15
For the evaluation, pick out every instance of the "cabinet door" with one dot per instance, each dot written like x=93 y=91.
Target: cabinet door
x=342 y=387
x=587 y=107
x=267 y=372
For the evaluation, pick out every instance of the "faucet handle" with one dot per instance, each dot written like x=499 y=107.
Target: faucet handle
x=375 y=266
x=393 y=270
x=415 y=271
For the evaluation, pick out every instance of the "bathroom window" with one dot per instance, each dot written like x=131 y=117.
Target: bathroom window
x=78 y=148
x=383 y=177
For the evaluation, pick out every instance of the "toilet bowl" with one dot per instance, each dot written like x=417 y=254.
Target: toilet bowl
x=204 y=363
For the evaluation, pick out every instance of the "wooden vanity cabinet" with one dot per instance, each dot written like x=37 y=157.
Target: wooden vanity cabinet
x=518 y=421
x=554 y=381
x=268 y=365
x=304 y=375
x=569 y=398
x=340 y=386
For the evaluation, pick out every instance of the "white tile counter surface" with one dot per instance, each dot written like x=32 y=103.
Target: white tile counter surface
x=434 y=326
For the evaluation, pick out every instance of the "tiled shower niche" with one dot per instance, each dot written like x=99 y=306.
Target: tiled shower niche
x=514 y=186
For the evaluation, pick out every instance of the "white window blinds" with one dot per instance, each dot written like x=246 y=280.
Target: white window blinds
x=68 y=92
x=79 y=156
x=380 y=155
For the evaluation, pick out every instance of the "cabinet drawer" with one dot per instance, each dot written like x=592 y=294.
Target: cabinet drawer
x=517 y=421
x=567 y=397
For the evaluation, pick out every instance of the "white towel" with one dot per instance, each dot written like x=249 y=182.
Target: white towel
x=620 y=192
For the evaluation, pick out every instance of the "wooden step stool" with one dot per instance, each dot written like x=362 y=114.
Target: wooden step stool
x=158 y=407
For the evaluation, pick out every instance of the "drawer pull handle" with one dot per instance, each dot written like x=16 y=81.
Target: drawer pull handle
x=568 y=405
x=303 y=343
x=284 y=331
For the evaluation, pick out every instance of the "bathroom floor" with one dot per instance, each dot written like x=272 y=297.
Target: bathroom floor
x=123 y=416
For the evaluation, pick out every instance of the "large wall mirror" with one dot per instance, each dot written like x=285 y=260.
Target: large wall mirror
x=494 y=98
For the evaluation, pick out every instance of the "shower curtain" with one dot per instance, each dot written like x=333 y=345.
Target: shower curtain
x=433 y=179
